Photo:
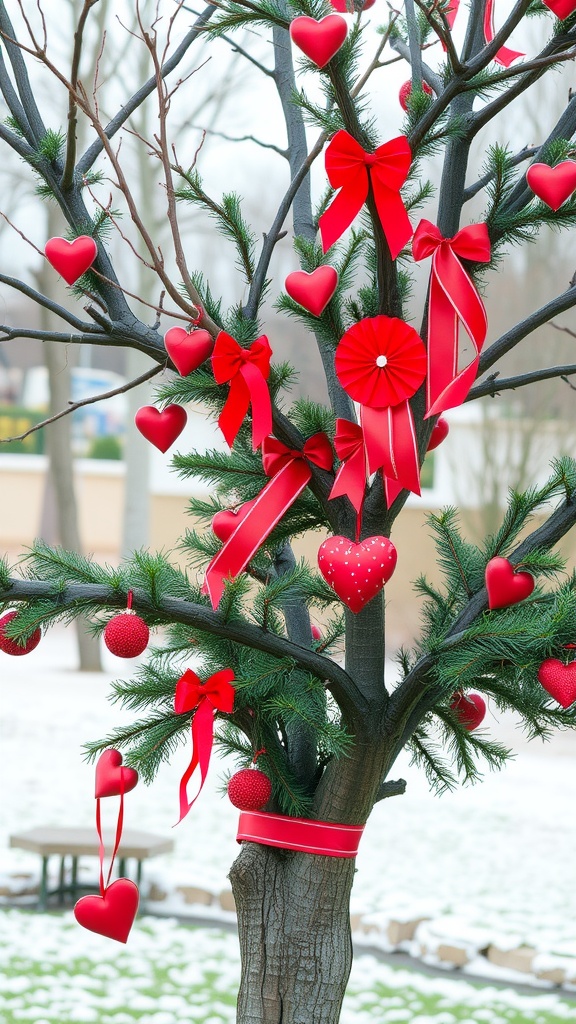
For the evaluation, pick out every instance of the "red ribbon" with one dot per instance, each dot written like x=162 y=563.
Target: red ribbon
x=453 y=298
x=322 y=838
x=504 y=56
x=561 y=8
x=354 y=171
x=351 y=476
x=216 y=694
x=247 y=370
x=290 y=474
x=391 y=444
x=118 y=836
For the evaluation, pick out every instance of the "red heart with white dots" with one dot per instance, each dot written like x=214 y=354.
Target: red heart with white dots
x=319 y=40
x=111 y=778
x=313 y=291
x=559 y=680
x=113 y=913
x=71 y=259
x=188 y=349
x=357 y=572
x=161 y=428
x=225 y=522
x=553 y=185
x=505 y=586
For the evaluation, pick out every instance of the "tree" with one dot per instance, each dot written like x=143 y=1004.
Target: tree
x=331 y=734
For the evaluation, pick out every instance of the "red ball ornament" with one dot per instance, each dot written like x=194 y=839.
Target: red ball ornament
x=559 y=680
x=249 y=789
x=11 y=646
x=469 y=709
x=406 y=91
x=504 y=586
x=316 y=633
x=127 y=635
x=357 y=572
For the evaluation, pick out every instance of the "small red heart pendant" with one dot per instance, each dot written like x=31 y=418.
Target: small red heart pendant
x=111 y=779
x=559 y=680
x=71 y=259
x=188 y=349
x=469 y=709
x=440 y=430
x=161 y=428
x=357 y=572
x=313 y=291
x=113 y=913
x=505 y=586
x=553 y=185
x=225 y=522
x=319 y=40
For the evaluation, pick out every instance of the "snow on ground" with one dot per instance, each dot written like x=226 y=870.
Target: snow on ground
x=498 y=857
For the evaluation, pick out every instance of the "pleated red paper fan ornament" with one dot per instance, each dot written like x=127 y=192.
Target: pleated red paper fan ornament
x=127 y=635
x=380 y=361
x=11 y=646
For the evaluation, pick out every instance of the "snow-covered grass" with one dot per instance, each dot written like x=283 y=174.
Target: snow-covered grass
x=52 y=972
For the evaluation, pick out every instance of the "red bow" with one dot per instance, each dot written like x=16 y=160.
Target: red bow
x=351 y=477
x=216 y=694
x=247 y=370
x=453 y=298
x=504 y=56
x=353 y=170
x=290 y=473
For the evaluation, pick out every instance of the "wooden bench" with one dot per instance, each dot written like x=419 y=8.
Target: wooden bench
x=83 y=842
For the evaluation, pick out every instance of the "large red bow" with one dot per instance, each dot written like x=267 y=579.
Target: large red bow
x=353 y=170
x=247 y=370
x=290 y=473
x=453 y=299
x=216 y=694
x=504 y=56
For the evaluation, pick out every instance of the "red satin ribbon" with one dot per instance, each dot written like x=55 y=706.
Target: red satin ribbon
x=101 y=850
x=216 y=694
x=290 y=474
x=561 y=8
x=453 y=299
x=504 y=56
x=247 y=370
x=391 y=444
x=352 y=170
x=351 y=476
x=318 y=837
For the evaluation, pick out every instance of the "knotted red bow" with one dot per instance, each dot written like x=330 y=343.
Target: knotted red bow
x=353 y=170
x=290 y=473
x=247 y=370
x=216 y=694
x=351 y=476
x=504 y=56
x=453 y=298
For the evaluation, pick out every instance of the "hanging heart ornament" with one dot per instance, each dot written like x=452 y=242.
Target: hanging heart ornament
x=113 y=913
x=71 y=259
x=161 y=428
x=357 y=572
x=553 y=185
x=312 y=291
x=504 y=586
x=188 y=349
x=559 y=680
x=225 y=522
x=319 y=40
x=111 y=778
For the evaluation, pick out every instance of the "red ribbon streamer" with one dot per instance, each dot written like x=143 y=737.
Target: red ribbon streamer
x=453 y=298
x=354 y=171
x=247 y=370
x=216 y=694
x=322 y=838
x=561 y=8
x=119 y=827
x=290 y=474
x=391 y=444
x=504 y=56
x=351 y=476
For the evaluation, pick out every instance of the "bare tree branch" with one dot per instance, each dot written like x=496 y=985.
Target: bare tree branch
x=494 y=385
x=68 y=174
x=525 y=154
x=508 y=341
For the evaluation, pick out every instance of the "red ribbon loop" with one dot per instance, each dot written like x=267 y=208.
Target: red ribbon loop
x=351 y=476
x=216 y=694
x=504 y=56
x=352 y=170
x=247 y=370
x=453 y=299
x=290 y=473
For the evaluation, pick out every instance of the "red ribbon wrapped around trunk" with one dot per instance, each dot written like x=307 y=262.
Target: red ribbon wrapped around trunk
x=216 y=694
x=247 y=370
x=453 y=299
x=290 y=473
x=354 y=171
x=323 y=838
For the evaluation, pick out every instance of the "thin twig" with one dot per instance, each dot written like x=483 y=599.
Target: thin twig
x=494 y=385
x=68 y=173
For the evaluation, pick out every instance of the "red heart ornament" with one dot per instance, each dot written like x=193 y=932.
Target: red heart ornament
x=559 y=680
x=188 y=349
x=357 y=572
x=113 y=913
x=440 y=431
x=111 y=778
x=553 y=185
x=225 y=522
x=469 y=709
x=505 y=586
x=313 y=291
x=161 y=428
x=71 y=259
x=319 y=40
x=352 y=6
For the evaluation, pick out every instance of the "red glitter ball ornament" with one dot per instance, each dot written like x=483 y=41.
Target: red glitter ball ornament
x=11 y=646
x=127 y=635
x=249 y=789
x=406 y=92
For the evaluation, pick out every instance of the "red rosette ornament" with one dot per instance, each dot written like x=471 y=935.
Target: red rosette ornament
x=381 y=362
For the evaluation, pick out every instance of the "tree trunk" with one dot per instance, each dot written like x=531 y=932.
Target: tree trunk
x=294 y=930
